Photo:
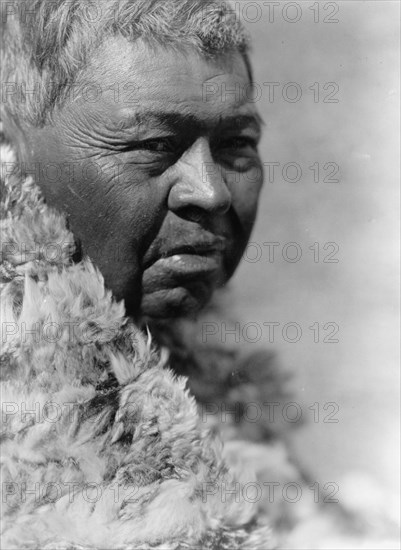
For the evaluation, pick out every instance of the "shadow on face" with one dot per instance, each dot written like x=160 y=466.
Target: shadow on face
x=153 y=159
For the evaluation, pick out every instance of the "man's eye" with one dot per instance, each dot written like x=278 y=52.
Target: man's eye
x=162 y=145
x=157 y=145
x=238 y=153
x=238 y=142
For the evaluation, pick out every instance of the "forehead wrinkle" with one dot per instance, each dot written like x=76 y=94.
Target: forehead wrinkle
x=175 y=121
x=158 y=119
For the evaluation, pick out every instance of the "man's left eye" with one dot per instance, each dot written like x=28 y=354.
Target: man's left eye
x=238 y=142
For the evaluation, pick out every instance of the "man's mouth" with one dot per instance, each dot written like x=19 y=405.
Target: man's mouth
x=187 y=266
x=190 y=253
x=178 y=269
x=183 y=276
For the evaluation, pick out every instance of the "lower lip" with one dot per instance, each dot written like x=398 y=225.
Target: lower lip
x=179 y=283
x=189 y=264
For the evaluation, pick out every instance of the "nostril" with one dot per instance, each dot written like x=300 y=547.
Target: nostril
x=192 y=213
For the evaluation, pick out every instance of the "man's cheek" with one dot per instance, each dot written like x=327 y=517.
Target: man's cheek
x=119 y=266
x=245 y=209
x=245 y=190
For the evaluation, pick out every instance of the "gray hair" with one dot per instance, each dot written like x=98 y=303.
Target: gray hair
x=45 y=43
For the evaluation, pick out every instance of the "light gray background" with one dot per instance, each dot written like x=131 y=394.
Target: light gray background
x=360 y=293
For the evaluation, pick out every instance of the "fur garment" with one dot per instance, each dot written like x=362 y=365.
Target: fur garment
x=103 y=445
x=114 y=454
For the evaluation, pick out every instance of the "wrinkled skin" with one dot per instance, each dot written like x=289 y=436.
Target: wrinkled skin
x=155 y=164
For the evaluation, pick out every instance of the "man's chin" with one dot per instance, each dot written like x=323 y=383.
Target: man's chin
x=180 y=301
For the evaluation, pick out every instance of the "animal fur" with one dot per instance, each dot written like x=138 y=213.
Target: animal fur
x=103 y=445
x=115 y=454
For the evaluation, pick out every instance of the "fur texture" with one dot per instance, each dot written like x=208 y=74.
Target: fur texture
x=103 y=445
x=114 y=454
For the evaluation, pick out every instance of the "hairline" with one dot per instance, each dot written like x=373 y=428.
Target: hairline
x=55 y=84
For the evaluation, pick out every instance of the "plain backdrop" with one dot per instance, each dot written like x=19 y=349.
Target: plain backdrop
x=359 y=293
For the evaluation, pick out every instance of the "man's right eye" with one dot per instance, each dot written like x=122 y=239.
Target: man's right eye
x=162 y=145
x=156 y=145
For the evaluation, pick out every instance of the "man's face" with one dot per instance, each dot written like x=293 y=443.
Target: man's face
x=153 y=158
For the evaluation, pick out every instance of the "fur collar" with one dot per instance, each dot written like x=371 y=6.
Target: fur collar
x=102 y=444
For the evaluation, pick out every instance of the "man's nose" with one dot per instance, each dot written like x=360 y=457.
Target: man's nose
x=199 y=187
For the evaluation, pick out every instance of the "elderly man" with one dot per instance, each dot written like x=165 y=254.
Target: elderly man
x=141 y=124
x=130 y=182
x=129 y=193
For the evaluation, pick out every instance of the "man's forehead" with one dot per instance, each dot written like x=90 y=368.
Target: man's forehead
x=144 y=88
x=175 y=120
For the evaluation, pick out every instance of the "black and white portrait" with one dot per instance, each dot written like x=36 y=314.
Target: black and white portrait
x=199 y=275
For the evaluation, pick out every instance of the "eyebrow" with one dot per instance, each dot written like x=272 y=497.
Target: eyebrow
x=175 y=121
